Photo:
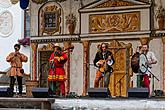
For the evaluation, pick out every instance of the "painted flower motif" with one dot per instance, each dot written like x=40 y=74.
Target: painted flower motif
x=71 y=19
x=160 y=12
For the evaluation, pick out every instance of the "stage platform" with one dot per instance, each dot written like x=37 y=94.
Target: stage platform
x=118 y=103
x=14 y=103
x=109 y=104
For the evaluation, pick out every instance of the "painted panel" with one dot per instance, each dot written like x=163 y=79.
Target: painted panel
x=119 y=22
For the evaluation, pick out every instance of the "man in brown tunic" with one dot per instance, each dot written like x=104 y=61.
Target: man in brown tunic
x=16 y=58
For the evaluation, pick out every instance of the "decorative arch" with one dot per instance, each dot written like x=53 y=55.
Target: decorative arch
x=50 y=19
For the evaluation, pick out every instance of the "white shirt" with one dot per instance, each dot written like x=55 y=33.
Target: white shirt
x=151 y=57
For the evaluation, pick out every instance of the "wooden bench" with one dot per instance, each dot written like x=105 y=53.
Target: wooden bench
x=45 y=103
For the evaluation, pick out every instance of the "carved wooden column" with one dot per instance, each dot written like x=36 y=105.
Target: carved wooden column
x=85 y=66
x=66 y=45
x=163 y=40
x=130 y=52
x=34 y=47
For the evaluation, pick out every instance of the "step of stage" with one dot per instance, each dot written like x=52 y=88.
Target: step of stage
x=26 y=103
x=109 y=104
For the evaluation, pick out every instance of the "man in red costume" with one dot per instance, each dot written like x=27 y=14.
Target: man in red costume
x=56 y=71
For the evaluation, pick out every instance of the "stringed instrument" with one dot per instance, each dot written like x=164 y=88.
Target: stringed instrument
x=69 y=49
x=66 y=50
x=104 y=66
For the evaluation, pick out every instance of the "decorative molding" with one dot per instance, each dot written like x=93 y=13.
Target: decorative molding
x=86 y=44
x=6 y=23
x=67 y=44
x=14 y=1
x=158 y=33
x=50 y=19
x=48 y=47
x=122 y=22
x=54 y=40
x=112 y=3
x=5 y=3
x=145 y=40
x=34 y=46
x=163 y=40
x=59 y=38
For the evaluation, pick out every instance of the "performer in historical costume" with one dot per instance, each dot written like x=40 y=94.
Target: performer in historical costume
x=104 y=61
x=56 y=71
x=151 y=60
x=16 y=58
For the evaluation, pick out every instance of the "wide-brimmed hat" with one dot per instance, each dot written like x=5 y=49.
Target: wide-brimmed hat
x=56 y=45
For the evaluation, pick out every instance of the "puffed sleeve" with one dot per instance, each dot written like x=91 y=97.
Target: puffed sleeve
x=51 y=57
x=96 y=59
x=10 y=57
x=63 y=57
x=24 y=58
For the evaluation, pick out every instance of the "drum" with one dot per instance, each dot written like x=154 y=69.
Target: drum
x=143 y=63
x=139 y=63
x=135 y=62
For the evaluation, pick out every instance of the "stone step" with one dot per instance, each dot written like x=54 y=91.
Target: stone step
x=19 y=109
x=110 y=104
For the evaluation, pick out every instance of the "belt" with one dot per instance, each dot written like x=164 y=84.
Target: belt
x=15 y=67
x=59 y=66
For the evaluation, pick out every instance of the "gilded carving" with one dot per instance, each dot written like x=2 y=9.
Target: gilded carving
x=34 y=46
x=145 y=40
x=67 y=44
x=122 y=22
x=49 y=46
x=86 y=44
x=163 y=40
x=114 y=3
x=50 y=19
x=121 y=53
